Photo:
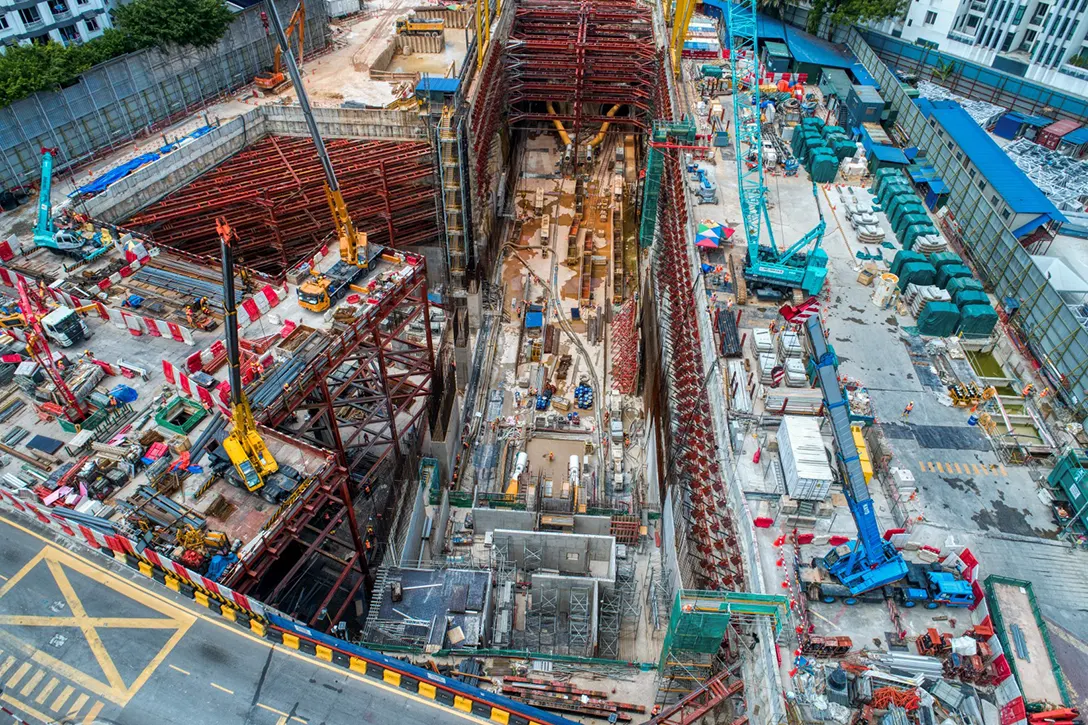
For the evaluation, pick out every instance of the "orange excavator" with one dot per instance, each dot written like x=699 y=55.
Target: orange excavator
x=275 y=81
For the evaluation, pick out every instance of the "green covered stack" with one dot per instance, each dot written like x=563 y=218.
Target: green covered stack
x=912 y=232
x=963 y=283
x=919 y=273
x=939 y=319
x=940 y=259
x=902 y=257
x=970 y=297
x=883 y=176
x=951 y=271
x=977 y=320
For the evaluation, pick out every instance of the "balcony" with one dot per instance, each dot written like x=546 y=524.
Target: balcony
x=1072 y=70
x=35 y=25
x=978 y=6
x=59 y=15
x=961 y=37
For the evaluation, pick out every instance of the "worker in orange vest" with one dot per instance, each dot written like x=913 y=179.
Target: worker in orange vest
x=907 y=410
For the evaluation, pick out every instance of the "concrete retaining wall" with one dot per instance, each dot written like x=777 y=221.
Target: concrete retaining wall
x=565 y=553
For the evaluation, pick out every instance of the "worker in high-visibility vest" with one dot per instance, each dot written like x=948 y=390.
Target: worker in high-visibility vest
x=907 y=410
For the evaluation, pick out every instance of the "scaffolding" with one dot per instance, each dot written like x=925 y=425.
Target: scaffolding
x=1062 y=179
x=578 y=622
x=451 y=177
x=625 y=348
x=680 y=133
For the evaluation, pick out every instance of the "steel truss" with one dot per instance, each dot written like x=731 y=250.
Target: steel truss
x=272 y=193
x=361 y=402
x=706 y=533
x=583 y=56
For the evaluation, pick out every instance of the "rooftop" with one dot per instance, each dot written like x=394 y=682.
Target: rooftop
x=1018 y=191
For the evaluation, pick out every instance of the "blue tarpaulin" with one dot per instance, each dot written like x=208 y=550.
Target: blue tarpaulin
x=888 y=154
x=116 y=174
x=534 y=320
x=1076 y=137
x=185 y=139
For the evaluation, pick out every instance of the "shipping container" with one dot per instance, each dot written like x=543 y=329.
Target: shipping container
x=804 y=459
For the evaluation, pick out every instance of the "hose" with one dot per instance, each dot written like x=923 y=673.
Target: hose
x=604 y=127
x=559 y=126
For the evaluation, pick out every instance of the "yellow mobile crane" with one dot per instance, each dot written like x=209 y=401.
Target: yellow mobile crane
x=244 y=445
x=324 y=289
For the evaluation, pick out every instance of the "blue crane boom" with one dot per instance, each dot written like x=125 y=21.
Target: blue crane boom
x=801 y=266
x=46 y=233
x=870 y=561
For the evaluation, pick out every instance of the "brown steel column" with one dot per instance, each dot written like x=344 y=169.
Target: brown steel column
x=345 y=492
x=385 y=391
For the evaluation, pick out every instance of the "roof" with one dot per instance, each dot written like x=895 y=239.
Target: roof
x=1076 y=137
x=888 y=154
x=1060 y=128
x=778 y=49
x=867 y=94
x=431 y=84
x=1040 y=121
x=804 y=48
x=1014 y=186
x=863 y=75
x=1062 y=278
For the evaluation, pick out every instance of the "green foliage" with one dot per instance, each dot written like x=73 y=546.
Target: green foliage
x=199 y=23
x=27 y=69
x=774 y=8
x=1080 y=60
x=849 y=12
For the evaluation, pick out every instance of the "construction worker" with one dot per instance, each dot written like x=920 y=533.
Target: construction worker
x=907 y=410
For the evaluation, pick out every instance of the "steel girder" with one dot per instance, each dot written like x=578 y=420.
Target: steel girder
x=356 y=402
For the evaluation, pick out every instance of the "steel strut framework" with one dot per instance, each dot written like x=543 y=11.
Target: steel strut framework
x=585 y=57
x=706 y=532
x=361 y=401
x=272 y=193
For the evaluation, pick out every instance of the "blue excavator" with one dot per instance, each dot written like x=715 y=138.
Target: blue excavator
x=46 y=233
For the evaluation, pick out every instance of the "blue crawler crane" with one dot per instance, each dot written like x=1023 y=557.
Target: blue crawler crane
x=869 y=562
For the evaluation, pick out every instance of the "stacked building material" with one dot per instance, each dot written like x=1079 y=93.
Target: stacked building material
x=983 y=113
x=977 y=321
x=919 y=273
x=949 y=272
x=918 y=296
x=272 y=194
x=927 y=244
x=959 y=284
x=939 y=319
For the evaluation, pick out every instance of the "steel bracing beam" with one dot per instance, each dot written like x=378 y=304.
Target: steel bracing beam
x=357 y=402
x=272 y=192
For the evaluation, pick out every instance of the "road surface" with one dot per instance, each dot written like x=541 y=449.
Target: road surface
x=84 y=639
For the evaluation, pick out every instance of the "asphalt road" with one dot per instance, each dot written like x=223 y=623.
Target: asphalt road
x=84 y=639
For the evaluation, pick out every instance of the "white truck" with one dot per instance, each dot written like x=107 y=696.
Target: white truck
x=65 y=327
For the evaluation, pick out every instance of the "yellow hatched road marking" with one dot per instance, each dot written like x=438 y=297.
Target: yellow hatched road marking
x=178 y=669
x=78 y=704
x=18 y=674
x=958 y=470
x=6 y=665
x=62 y=698
x=30 y=684
x=939 y=468
x=37 y=714
x=47 y=691
x=1003 y=471
x=92 y=714
x=220 y=687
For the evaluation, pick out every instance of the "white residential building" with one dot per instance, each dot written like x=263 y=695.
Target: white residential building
x=1033 y=39
x=62 y=21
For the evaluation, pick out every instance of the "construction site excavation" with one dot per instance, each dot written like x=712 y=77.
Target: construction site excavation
x=556 y=361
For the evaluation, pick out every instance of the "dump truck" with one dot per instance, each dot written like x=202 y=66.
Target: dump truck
x=420 y=26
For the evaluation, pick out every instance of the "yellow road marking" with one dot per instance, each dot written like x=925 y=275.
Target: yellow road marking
x=36 y=714
x=30 y=684
x=62 y=698
x=6 y=665
x=1003 y=471
x=184 y=672
x=92 y=714
x=3 y=578
x=18 y=674
x=957 y=467
x=78 y=704
x=939 y=468
x=220 y=687
x=284 y=717
x=47 y=691
x=100 y=572
x=114 y=687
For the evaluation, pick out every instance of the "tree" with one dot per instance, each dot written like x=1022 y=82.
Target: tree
x=774 y=8
x=849 y=12
x=199 y=23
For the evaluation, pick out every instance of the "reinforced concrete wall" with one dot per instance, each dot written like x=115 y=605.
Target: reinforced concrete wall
x=485 y=520
x=112 y=104
x=578 y=554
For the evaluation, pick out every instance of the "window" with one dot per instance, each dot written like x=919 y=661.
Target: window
x=1064 y=25
x=1008 y=11
x=1072 y=29
x=30 y=15
x=972 y=21
x=82 y=2
x=949 y=144
x=971 y=173
x=92 y=24
x=931 y=17
x=982 y=185
x=909 y=22
x=70 y=34
x=4 y=21
x=1019 y=14
x=1008 y=42
x=959 y=156
x=993 y=199
x=1005 y=214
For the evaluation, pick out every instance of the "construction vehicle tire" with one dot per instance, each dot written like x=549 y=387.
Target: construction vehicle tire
x=798 y=296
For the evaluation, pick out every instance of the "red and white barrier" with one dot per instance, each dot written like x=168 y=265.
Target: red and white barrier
x=256 y=307
x=119 y=544
x=127 y=271
x=12 y=247
x=189 y=389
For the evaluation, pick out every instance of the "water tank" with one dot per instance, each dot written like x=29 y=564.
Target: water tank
x=884 y=289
